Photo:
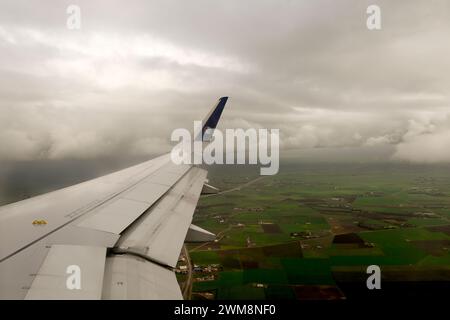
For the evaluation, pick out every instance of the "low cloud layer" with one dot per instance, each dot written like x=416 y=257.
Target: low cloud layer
x=137 y=70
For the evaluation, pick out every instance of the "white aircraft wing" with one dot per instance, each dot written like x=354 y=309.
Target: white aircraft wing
x=121 y=234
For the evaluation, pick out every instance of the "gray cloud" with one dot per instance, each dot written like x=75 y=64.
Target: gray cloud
x=137 y=70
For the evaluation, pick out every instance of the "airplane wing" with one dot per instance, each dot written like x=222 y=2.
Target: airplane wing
x=115 y=237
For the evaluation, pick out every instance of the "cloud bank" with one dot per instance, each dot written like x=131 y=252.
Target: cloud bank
x=137 y=70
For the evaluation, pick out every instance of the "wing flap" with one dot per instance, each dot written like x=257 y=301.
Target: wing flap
x=51 y=280
x=130 y=277
x=159 y=234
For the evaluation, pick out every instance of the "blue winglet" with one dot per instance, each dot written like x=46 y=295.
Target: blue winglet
x=213 y=117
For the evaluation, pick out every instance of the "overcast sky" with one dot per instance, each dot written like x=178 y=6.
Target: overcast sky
x=139 y=69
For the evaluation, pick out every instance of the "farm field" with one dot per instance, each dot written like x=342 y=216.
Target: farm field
x=311 y=231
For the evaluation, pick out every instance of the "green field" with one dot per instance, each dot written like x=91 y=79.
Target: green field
x=299 y=233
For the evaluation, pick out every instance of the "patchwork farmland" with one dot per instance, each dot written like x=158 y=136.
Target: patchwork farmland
x=310 y=233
